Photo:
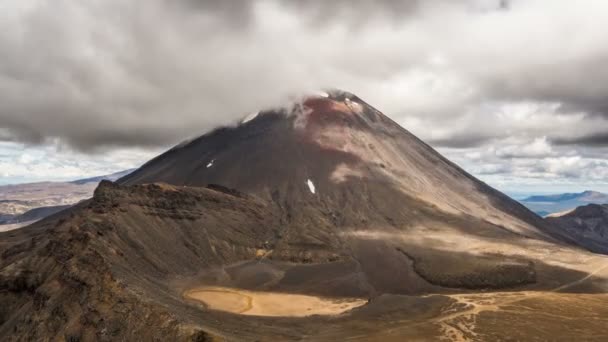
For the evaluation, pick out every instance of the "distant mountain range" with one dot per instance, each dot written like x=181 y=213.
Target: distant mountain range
x=544 y=205
x=22 y=204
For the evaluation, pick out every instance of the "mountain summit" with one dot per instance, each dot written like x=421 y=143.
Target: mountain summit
x=326 y=215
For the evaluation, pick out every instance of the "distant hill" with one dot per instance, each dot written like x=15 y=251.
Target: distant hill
x=545 y=205
x=25 y=203
x=586 y=225
x=29 y=217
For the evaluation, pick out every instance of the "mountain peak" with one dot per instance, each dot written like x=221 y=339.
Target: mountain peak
x=332 y=106
x=348 y=150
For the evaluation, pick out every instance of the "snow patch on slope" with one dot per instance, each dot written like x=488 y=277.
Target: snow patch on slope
x=250 y=117
x=311 y=186
x=354 y=106
x=210 y=163
x=320 y=93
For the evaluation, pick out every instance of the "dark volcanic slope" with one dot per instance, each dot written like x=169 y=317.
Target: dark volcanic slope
x=586 y=225
x=348 y=151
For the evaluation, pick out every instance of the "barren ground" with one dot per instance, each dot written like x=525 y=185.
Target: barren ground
x=269 y=303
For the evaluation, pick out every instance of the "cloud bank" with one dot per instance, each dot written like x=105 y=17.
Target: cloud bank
x=465 y=75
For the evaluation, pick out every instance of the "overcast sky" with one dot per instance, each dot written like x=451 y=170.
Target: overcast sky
x=513 y=91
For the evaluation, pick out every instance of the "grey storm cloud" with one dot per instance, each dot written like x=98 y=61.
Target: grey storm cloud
x=102 y=74
x=460 y=141
x=598 y=139
x=240 y=13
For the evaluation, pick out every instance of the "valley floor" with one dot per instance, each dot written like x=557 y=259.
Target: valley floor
x=561 y=314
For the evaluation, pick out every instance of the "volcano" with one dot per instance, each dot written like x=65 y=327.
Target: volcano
x=323 y=220
x=339 y=153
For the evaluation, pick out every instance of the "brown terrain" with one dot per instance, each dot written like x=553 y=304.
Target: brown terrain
x=324 y=221
x=23 y=204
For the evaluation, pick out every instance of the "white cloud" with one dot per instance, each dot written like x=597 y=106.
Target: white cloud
x=537 y=148
x=21 y=163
